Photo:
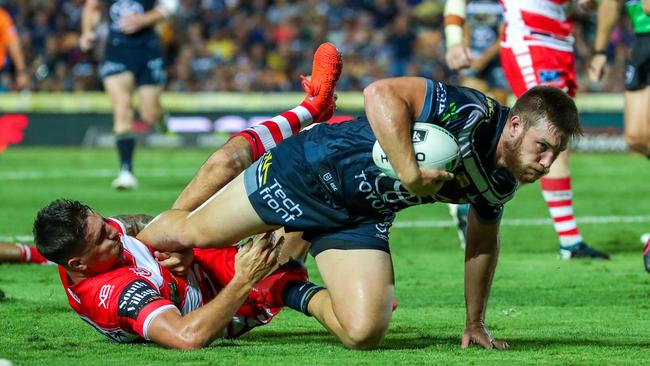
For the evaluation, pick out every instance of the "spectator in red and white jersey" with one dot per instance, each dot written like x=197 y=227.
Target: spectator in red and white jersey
x=116 y=284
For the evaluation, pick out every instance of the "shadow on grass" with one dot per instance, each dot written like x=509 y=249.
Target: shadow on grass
x=405 y=340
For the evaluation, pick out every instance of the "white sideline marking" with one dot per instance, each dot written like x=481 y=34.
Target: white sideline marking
x=449 y=223
x=92 y=173
x=528 y=222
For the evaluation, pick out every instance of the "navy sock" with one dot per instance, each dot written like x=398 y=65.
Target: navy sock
x=125 y=146
x=297 y=294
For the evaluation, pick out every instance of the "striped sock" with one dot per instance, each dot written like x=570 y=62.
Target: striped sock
x=268 y=134
x=31 y=255
x=559 y=199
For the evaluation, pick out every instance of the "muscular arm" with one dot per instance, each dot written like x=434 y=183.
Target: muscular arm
x=200 y=327
x=220 y=168
x=646 y=7
x=391 y=107
x=481 y=256
x=608 y=15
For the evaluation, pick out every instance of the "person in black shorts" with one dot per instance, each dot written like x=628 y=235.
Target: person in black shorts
x=636 y=113
x=324 y=182
x=133 y=59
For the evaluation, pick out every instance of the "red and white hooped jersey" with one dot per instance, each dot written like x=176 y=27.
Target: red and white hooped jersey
x=122 y=303
x=537 y=23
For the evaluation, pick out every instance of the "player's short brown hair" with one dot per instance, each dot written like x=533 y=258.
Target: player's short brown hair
x=59 y=229
x=548 y=103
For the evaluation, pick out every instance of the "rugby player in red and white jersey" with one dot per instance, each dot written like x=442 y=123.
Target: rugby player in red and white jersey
x=536 y=49
x=115 y=283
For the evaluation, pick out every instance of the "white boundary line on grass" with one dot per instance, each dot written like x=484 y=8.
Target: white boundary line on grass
x=91 y=173
x=448 y=223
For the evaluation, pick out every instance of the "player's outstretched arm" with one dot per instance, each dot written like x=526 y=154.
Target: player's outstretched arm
x=391 y=107
x=481 y=254
x=202 y=326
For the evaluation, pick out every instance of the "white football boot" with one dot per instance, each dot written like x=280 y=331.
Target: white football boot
x=125 y=181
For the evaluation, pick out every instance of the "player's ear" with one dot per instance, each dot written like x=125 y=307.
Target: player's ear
x=515 y=126
x=76 y=264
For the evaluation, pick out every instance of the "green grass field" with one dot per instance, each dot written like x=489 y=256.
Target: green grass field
x=551 y=312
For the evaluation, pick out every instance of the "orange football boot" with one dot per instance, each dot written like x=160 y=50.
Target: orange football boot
x=325 y=72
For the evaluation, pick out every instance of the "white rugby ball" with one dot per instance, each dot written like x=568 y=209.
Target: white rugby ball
x=435 y=148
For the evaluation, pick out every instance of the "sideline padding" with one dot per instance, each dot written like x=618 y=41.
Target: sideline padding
x=98 y=102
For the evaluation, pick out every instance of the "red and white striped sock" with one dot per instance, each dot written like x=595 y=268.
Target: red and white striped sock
x=31 y=255
x=268 y=134
x=559 y=199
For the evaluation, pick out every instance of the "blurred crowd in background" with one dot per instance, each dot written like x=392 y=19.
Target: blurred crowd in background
x=264 y=45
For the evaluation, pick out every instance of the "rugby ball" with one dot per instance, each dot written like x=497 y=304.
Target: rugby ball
x=435 y=148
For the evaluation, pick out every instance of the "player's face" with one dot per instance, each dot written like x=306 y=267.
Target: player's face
x=103 y=247
x=530 y=155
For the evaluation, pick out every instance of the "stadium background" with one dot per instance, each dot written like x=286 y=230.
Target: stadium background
x=220 y=48
x=218 y=52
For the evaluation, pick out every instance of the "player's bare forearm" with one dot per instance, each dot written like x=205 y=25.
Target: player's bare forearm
x=608 y=15
x=220 y=168
x=392 y=105
x=646 y=7
x=134 y=223
x=202 y=326
x=90 y=16
x=481 y=256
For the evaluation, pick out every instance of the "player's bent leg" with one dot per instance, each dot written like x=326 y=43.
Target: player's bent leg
x=223 y=219
x=220 y=168
x=150 y=108
x=357 y=305
x=637 y=120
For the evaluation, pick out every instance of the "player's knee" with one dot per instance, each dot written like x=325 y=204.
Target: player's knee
x=638 y=143
x=364 y=337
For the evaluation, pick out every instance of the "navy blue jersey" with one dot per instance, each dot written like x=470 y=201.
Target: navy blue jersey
x=341 y=155
x=119 y=8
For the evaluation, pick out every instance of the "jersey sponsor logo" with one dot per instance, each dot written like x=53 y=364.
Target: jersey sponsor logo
x=142 y=272
x=550 y=76
x=384 y=194
x=450 y=113
x=266 y=164
x=104 y=295
x=276 y=198
x=135 y=297
x=441 y=98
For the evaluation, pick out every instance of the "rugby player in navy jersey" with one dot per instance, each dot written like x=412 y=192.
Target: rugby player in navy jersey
x=324 y=182
x=133 y=59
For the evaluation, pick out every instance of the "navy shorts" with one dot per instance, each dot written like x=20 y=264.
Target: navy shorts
x=286 y=191
x=637 y=70
x=144 y=62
